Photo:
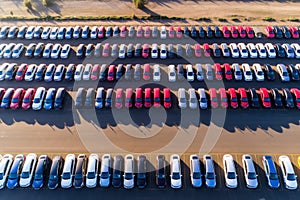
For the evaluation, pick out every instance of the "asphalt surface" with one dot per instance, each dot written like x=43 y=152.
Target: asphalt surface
x=253 y=131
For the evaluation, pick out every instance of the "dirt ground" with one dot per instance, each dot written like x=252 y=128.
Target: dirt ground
x=235 y=12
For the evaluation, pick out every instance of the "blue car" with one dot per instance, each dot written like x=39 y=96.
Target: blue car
x=15 y=171
x=49 y=100
x=40 y=172
x=270 y=171
x=55 y=171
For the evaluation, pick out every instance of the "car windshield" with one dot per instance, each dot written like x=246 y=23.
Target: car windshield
x=160 y=176
x=244 y=99
x=19 y=73
x=214 y=99
x=53 y=177
x=169 y=99
x=26 y=100
x=248 y=73
x=118 y=100
x=182 y=100
x=251 y=175
x=5 y=100
x=176 y=176
x=266 y=99
x=193 y=100
x=138 y=100
x=128 y=176
x=36 y=100
x=1 y=176
x=210 y=176
x=224 y=99
x=260 y=73
x=25 y=175
x=38 y=177
x=141 y=175
x=91 y=175
x=147 y=99
x=190 y=74
x=234 y=99
x=15 y=100
x=172 y=73
x=157 y=99
x=78 y=176
x=99 y=99
x=196 y=175
x=291 y=177
x=13 y=176
x=66 y=175
x=203 y=100
x=284 y=74
x=262 y=51
x=238 y=73
x=231 y=175
x=156 y=74
x=273 y=176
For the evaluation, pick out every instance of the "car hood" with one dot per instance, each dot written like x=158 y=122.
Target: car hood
x=65 y=183
x=37 y=184
x=291 y=184
x=91 y=182
x=78 y=183
x=231 y=183
x=176 y=183
x=196 y=182
x=210 y=183
x=24 y=182
x=252 y=183
x=128 y=183
x=12 y=183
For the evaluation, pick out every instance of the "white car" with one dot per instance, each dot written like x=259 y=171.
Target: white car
x=154 y=51
x=29 y=32
x=128 y=181
x=181 y=98
x=163 y=51
x=55 y=52
x=105 y=170
x=202 y=98
x=283 y=73
x=3 y=69
x=85 y=32
x=229 y=171
x=94 y=32
x=262 y=53
x=68 y=171
x=53 y=33
x=270 y=50
x=8 y=50
x=46 y=33
x=249 y=171
x=190 y=73
x=59 y=72
x=12 y=32
x=17 y=50
x=5 y=165
x=37 y=31
x=122 y=51
x=259 y=74
x=225 y=50
x=78 y=72
x=199 y=72
x=47 y=50
x=92 y=171
x=49 y=72
x=296 y=48
x=2 y=47
x=27 y=170
x=195 y=171
x=243 y=50
x=22 y=31
x=65 y=51
x=172 y=73
x=163 y=32
x=69 y=32
x=252 y=50
x=38 y=98
x=175 y=169
x=30 y=50
x=61 y=33
x=30 y=72
x=4 y=31
x=193 y=103
x=87 y=72
x=11 y=71
x=247 y=72
x=289 y=51
x=234 y=50
x=156 y=73
x=288 y=174
x=76 y=32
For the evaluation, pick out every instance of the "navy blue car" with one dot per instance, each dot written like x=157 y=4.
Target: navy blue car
x=15 y=171
x=40 y=172
x=55 y=171
x=270 y=171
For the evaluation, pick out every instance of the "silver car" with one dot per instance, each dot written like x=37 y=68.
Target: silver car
x=238 y=75
x=195 y=171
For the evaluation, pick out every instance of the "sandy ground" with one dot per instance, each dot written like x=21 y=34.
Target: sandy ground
x=254 y=11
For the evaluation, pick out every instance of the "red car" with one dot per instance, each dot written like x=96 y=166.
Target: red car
x=269 y=32
x=226 y=32
x=147 y=98
x=178 y=32
x=218 y=71
x=145 y=51
x=296 y=94
x=95 y=72
x=250 y=32
x=21 y=72
x=242 y=31
x=119 y=98
x=234 y=32
x=111 y=73
x=106 y=50
x=233 y=98
x=17 y=98
x=197 y=49
x=213 y=97
x=128 y=98
x=156 y=97
x=167 y=98
x=28 y=98
x=294 y=32
x=206 y=50
x=123 y=32
x=171 y=32
x=265 y=97
x=146 y=72
x=139 y=32
x=243 y=98
x=138 y=97
x=147 y=32
x=101 y=32
x=228 y=72
x=223 y=98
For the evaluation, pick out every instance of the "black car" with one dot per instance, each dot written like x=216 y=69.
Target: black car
x=179 y=51
x=269 y=72
x=130 y=51
x=59 y=98
x=80 y=97
x=188 y=50
x=278 y=32
x=180 y=72
x=138 y=50
x=286 y=32
x=218 y=32
x=194 y=32
x=171 y=51
x=41 y=172
x=293 y=72
x=55 y=171
x=70 y=72
x=142 y=169
x=161 y=171
x=202 y=32
x=108 y=98
x=186 y=31
x=254 y=98
x=209 y=32
x=80 y=171
x=119 y=72
x=216 y=50
x=276 y=97
x=288 y=98
x=279 y=50
x=117 y=171
x=80 y=51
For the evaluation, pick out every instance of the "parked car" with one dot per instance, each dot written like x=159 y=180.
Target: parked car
x=68 y=171
x=288 y=173
x=5 y=165
x=41 y=172
x=15 y=171
x=265 y=97
x=49 y=99
x=175 y=171
x=28 y=170
x=92 y=171
x=229 y=171
x=105 y=171
x=55 y=172
x=80 y=171
x=38 y=98
x=249 y=171
x=210 y=176
x=195 y=171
